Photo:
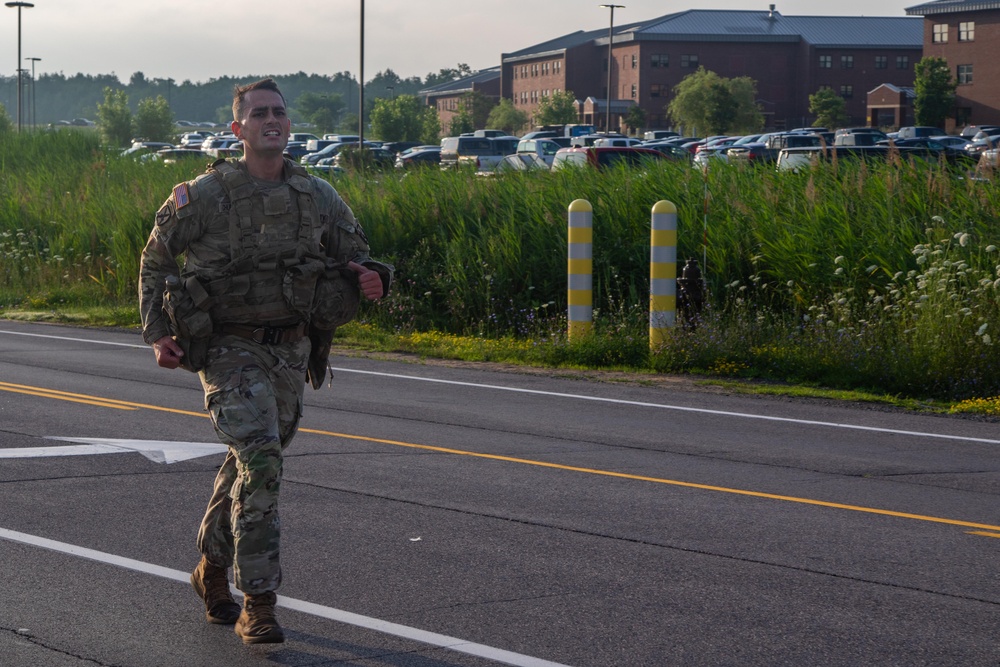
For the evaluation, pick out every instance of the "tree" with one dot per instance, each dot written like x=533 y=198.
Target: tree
x=557 y=109
x=935 y=91
x=400 y=119
x=461 y=123
x=154 y=121
x=507 y=118
x=635 y=119
x=322 y=111
x=829 y=108
x=478 y=107
x=114 y=118
x=6 y=125
x=707 y=102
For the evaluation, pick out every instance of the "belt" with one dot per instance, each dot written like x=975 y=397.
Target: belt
x=266 y=335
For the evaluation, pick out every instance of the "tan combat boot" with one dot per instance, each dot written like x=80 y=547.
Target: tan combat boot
x=212 y=585
x=257 y=624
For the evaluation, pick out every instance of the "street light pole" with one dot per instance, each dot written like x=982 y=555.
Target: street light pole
x=18 y=5
x=611 y=37
x=34 y=118
x=361 y=85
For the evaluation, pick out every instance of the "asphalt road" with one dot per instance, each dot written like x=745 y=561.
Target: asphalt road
x=439 y=516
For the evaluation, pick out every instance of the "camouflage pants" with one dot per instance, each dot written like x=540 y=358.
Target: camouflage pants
x=254 y=396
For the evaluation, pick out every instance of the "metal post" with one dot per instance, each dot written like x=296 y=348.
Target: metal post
x=361 y=86
x=611 y=38
x=662 y=272
x=19 y=85
x=580 y=290
x=34 y=117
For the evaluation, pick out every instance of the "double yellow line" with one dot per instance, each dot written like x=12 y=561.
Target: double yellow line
x=986 y=530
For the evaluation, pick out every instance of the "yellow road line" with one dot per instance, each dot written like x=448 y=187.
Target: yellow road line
x=82 y=398
x=89 y=400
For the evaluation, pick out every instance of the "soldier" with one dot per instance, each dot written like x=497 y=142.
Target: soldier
x=273 y=262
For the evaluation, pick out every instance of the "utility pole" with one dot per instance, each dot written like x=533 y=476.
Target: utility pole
x=34 y=116
x=611 y=38
x=19 y=79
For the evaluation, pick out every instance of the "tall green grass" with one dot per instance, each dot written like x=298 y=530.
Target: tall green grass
x=851 y=275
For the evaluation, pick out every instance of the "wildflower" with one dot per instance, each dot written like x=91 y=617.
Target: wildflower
x=983 y=328
x=839 y=271
x=991 y=248
x=839 y=259
x=872 y=269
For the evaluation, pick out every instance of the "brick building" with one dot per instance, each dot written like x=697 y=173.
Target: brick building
x=966 y=33
x=790 y=58
x=447 y=98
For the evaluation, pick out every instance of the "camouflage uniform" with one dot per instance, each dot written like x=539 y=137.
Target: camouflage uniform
x=245 y=245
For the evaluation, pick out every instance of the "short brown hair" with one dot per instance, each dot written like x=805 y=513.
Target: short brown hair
x=239 y=92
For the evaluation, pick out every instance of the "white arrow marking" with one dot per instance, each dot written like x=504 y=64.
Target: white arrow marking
x=157 y=451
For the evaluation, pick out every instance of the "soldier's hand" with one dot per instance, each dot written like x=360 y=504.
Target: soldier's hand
x=369 y=281
x=168 y=352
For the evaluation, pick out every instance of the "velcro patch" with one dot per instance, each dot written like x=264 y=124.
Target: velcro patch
x=181 y=196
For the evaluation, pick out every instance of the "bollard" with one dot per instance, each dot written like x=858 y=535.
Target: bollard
x=662 y=272
x=580 y=292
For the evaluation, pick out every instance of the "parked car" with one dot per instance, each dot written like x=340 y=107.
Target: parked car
x=858 y=136
x=951 y=141
x=591 y=139
x=171 y=155
x=421 y=156
x=301 y=136
x=142 y=147
x=989 y=160
x=918 y=131
x=975 y=148
x=193 y=139
x=617 y=141
x=602 y=157
x=545 y=149
x=940 y=150
x=218 y=142
x=670 y=152
x=518 y=163
x=294 y=150
x=378 y=158
x=970 y=131
x=396 y=147
x=328 y=151
x=656 y=135
x=477 y=152
x=767 y=149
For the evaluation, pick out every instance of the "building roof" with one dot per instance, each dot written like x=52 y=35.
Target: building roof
x=464 y=84
x=910 y=93
x=951 y=6
x=708 y=25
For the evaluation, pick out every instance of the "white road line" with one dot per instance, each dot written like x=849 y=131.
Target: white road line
x=432 y=638
x=581 y=397
x=680 y=408
x=78 y=340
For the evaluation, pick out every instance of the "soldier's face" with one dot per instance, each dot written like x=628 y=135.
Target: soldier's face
x=265 y=126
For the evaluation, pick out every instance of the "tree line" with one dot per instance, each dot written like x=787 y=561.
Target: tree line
x=53 y=97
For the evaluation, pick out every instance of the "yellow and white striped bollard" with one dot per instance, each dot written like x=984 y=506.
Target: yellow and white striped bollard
x=580 y=291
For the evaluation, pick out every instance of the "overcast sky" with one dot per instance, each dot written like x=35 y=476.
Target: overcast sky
x=198 y=40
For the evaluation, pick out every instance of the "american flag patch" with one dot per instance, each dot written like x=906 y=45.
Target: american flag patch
x=181 y=197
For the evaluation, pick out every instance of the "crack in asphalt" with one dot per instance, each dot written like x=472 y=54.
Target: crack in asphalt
x=25 y=635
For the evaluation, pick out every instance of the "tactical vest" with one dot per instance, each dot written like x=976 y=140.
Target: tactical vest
x=274 y=250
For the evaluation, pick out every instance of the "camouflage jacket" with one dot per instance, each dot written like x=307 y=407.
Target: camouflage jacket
x=194 y=225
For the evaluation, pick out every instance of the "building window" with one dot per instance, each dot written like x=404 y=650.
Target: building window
x=634 y=91
x=825 y=62
x=846 y=62
x=967 y=31
x=965 y=74
x=545 y=69
x=659 y=60
x=689 y=61
x=657 y=90
x=847 y=92
x=902 y=62
x=635 y=61
x=881 y=62
x=940 y=35
x=557 y=66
